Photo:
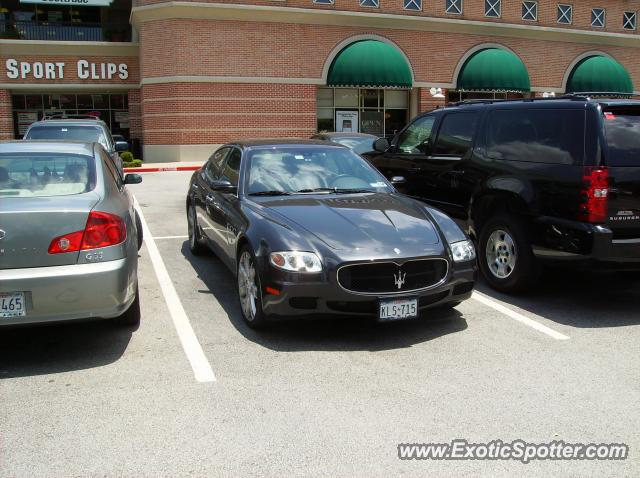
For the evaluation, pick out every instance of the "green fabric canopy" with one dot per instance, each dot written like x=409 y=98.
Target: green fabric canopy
x=599 y=74
x=494 y=69
x=370 y=63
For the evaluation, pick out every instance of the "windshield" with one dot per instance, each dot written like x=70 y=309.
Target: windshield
x=622 y=131
x=307 y=169
x=45 y=174
x=90 y=134
x=358 y=144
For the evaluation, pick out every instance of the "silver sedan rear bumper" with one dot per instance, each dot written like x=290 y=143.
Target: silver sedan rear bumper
x=79 y=291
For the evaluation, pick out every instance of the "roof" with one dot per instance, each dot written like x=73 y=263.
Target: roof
x=43 y=146
x=335 y=134
x=70 y=121
x=250 y=143
x=561 y=101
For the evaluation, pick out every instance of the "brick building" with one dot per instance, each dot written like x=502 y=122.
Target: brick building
x=179 y=77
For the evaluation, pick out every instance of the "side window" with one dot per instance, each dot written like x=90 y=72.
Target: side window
x=231 y=171
x=111 y=169
x=214 y=165
x=537 y=136
x=455 y=137
x=415 y=137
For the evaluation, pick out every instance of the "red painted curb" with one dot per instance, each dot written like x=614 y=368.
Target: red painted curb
x=161 y=168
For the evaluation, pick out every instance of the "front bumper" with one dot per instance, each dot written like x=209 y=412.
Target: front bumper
x=584 y=245
x=328 y=299
x=78 y=291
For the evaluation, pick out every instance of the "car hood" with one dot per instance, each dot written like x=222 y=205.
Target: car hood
x=374 y=221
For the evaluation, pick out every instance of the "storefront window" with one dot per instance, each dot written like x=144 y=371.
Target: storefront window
x=364 y=110
x=454 y=96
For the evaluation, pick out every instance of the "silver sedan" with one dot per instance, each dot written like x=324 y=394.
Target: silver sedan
x=69 y=235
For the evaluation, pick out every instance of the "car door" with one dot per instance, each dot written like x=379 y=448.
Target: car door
x=203 y=194
x=231 y=220
x=444 y=172
x=407 y=153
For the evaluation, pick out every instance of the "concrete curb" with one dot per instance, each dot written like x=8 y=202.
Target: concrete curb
x=155 y=169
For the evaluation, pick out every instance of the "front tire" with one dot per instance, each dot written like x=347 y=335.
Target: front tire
x=249 y=289
x=505 y=256
x=196 y=243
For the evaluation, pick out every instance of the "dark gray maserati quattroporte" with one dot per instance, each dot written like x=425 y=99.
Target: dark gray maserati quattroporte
x=312 y=229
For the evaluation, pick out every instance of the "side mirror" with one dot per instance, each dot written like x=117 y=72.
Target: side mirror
x=396 y=180
x=381 y=145
x=132 y=179
x=121 y=146
x=224 y=186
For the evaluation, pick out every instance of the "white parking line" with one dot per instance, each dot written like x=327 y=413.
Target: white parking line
x=170 y=237
x=192 y=348
x=495 y=305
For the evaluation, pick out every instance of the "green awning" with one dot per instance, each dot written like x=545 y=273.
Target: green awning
x=600 y=74
x=372 y=64
x=494 y=69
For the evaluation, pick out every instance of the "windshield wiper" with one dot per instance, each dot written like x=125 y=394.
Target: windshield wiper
x=335 y=190
x=270 y=193
x=317 y=190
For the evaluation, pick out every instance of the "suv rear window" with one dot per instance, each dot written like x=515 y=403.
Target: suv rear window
x=90 y=134
x=622 y=133
x=537 y=135
x=45 y=174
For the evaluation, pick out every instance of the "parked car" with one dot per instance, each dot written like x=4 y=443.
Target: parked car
x=358 y=142
x=69 y=235
x=532 y=181
x=310 y=228
x=88 y=130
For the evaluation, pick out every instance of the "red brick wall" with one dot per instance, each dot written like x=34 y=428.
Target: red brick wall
x=213 y=113
x=473 y=10
x=426 y=102
x=135 y=115
x=6 y=116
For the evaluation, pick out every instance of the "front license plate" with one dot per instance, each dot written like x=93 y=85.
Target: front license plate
x=12 y=304
x=398 y=309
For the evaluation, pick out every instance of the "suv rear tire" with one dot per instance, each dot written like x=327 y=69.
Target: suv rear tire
x=505 y=256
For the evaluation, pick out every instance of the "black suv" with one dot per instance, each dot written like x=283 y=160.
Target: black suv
x=532 y=181
x=87 y=129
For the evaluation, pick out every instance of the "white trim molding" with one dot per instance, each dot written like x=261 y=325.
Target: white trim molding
x=159 y=80
x=313 y=16
x=352 y=39
x=68 y=48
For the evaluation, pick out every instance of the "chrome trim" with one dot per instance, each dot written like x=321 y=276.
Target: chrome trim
x=395 y=293
x=626 y=241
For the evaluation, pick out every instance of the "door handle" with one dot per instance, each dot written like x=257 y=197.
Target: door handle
x=414 y=170
x=210 y=199
x=195 y=186
x=456 y=172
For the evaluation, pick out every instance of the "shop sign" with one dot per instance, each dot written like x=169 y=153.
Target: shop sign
x=347 y=121
x=75 y=3
x=45 y=70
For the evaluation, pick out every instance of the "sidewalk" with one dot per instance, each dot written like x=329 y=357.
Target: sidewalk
x=155 y=167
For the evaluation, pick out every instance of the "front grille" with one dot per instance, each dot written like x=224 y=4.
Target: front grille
x=389 y=277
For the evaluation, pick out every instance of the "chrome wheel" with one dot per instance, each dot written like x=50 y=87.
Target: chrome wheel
x=191 y=227
x=247 y=288
x=501 y=254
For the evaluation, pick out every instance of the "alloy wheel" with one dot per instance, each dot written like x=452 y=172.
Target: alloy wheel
x=501 y=254
x=247 y=288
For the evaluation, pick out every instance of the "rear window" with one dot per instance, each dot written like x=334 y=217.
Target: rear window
x=537 y=136
x=90 y=134
x=622 y=133
x=44 y=174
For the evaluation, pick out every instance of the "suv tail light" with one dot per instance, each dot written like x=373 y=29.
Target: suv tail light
x=595 y=194
x=102 y=230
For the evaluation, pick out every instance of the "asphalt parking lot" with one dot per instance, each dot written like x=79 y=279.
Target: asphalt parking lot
x=194 y=392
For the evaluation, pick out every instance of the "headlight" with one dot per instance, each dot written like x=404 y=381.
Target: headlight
x=463 y=251
x=296 y=261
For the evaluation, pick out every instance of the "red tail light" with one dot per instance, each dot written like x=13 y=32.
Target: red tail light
x=595 y=194
x=102 y=230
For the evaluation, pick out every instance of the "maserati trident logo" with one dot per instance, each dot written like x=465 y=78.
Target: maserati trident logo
x=399 y=279
x=2 y=234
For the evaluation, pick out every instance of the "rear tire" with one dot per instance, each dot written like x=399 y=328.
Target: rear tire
x=505 y=256
x=250 y=289
x=196 y=243
x=139 y=231
x=131 y=318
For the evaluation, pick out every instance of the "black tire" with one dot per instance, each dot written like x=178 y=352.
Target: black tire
x=510 y=266
x=196 y=243
x=139 y=231
x=131 y=318
x=257 y=319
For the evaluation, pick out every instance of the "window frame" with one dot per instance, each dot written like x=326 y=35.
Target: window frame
x=602 y=17
x=401 y=136
x=373 y=3
x=531 y=7
x=457 y=4
x=474 y=137
x=560 y=14
x=626 y=19
x=232 y=150
x=205 y=172
x=324 y=2
x=490 y=6
x=417 y=5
